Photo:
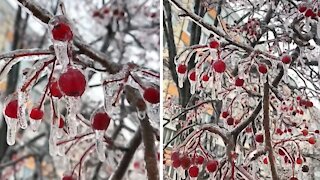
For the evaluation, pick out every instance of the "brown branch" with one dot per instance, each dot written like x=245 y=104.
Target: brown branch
x=266 y=125
x=127 y=157
x=45 y=16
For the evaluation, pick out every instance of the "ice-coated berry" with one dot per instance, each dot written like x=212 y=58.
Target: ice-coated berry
x=194 y=171
x=200 y=160
x=212 y=165
x=182 y=68
x=214 y=44
x=225 y=114
x=54 y=90
x=239 y=82
x=152 y=95
x=259 y=138
x=62 y=32
x=263 y=68
x=11 y=110
x=36 y=114
x=286 y=59
x=185 y=162
x=192 y=76
x=100 y=121
x=72 y=82
x=219 y=66
x=205 y=78
x=312 y=140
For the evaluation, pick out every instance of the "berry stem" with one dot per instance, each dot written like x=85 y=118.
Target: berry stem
x=48 y=84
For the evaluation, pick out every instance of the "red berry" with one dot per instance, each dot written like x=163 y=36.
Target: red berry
x=305 y=132
x=230 y=121
x=298 y=98
x=54 y=90
x=265 y=160
x=200 y=160
x=61 y=123
x=214 y=44
x=62 y=32
x=302 y=8
x=11 y=109
x=182 y=69
x=279 y=131
x=286 y=59
x=36 y=114
x=219 y=66
x=212 y=165
x=239 y=82
x=106 y=11
x=259 y=138
x=185 y=162
x=248 y=129
x=194 y=171
x=192 y=76
x=317 y=131
x=309 y=13
x=100 y=121
x=175 y=155
x=263 y=68
x=152 y=95
x=293 y=178
x=72 y=82
x=67 y=177
x=225 y=114
x=176 y=163
x=299 y=161
x=309 y=104
x=312 y=140
x=205 y=78
x=281 y=152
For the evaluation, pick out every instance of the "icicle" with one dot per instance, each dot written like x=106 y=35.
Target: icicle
x=100 y=146
x=35 y=124
x=71 y=120
x=218 y=85
x=114 y=25
x=193 y=87
x=52 y=140
x=61 y=51
x=285 y=73
x=22 y=100
x=213 y=92
x=263 y=77
x=11 y=131
x=141 y=114
x=181 y=173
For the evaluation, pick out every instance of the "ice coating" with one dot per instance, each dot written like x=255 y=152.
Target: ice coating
x=71 y=120
x=11 y=131
x=100 y=147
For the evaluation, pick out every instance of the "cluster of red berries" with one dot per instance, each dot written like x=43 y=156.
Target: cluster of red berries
x=192 y=164
x=106 y=11
x=308 y=10
x=251 y=27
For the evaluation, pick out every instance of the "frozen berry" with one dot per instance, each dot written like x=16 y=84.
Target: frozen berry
x=176 y=163
x=230 y=121
x=305 y=132
x=194 y=171
x=305 y=168
x=62 y=32
x=259 y=138
x=182 y=69
x=265 y=160
x=152 y=95
x=212 y=165
x=36 y=114
x=286 y=59
x=302 y=8
x=309 y=13
x=175 y=155
x=205 y=78
x=192 y=76
x=61 y=123
x=299 y=161
x=219 y=66
x=100 y=121
x=11 y=109
x=67 y=177
x=54 y=90
x=214 y=44
x=263 y=68
x=239 y=82
x=225 y=114
x=185 y=162
x=312 y=140
x=281 y=152
x=200 y=160
x=72 y=82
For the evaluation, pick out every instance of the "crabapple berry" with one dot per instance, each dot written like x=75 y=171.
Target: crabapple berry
x=185 y=162
x=61 y=123
x=281 y=152
x=305 y=132
x=225 y=114
x=72 y=82
x=212 y=165
x=259 y=138
x=192 y=76
x=214 y=44
x=176 y=163
x=36 y=114
x=182 y=68
x=262 y=68
x=54 y=90
x=219 y=66
x=239 y=82
x=194 y=171
x=302 y=8
x=230 y=121
x=11 y=109
x=200 y=160
x=175 y=155
x=62 y=32
x=100 y=121
x=299 y=161
x=205 y=78
x=68 y=177
x=312 y=140
x=152 y=95
x=286 y=59
x=265 y=160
